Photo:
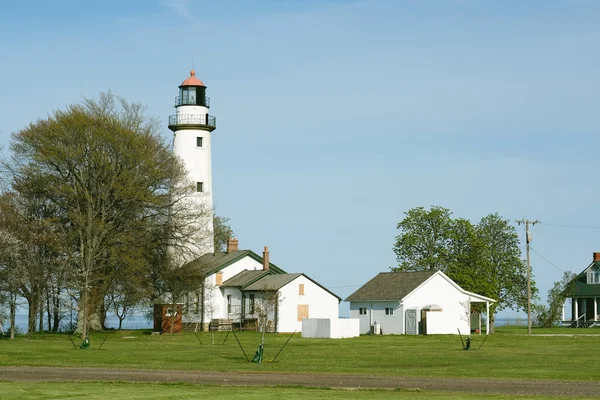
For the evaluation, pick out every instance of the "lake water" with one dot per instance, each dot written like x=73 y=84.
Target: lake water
x=140 y=322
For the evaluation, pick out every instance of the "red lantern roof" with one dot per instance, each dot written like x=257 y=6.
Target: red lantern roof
x=192 y=80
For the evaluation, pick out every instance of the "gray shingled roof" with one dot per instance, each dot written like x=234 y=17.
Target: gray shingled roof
x=272 y=282
x=213 y=262
x=390 y=286
x=244 y=277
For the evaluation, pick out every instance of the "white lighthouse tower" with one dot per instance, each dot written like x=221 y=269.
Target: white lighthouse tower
x=192 y=127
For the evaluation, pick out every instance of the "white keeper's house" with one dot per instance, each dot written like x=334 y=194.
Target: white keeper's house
x=237 y=284
x=414 y=303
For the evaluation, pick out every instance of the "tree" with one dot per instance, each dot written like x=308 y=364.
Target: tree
x=222 y=232
x=483 y=258
x=502 y=272
x=32 y=221
x=116 y=183
x=423 y=243
x=547 y=316
x=11 y=251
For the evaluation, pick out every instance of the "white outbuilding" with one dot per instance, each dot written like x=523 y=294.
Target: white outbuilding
x=414 y=303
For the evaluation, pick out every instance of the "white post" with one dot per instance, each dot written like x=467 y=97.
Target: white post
x=595 y=309
x=487 y=320
x=479 y=322
x=576 y=316
x=563 y=311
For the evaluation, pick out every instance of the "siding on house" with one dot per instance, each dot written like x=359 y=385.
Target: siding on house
x=455 y=305
x=321 y=303
x=389 y=324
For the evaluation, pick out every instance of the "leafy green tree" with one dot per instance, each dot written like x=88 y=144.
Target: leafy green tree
x=424 y=240
x=104 y=165
x=483 y=258
x=548 y=315
x=503 y=274
x=222 y=232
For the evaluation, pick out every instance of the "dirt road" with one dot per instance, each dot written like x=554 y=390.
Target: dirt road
x=504 y=386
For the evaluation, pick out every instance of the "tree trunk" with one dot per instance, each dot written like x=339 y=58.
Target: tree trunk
x=40 y=304
x=121 y=322
x=31 y=314
x=94 y=320
x=56 y=309
x=13 y=315
x=49 y=315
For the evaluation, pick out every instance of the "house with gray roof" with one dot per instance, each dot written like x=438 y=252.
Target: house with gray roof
x=242 y=289
x=426 y=302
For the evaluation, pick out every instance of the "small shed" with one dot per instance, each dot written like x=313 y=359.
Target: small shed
x=163 y=317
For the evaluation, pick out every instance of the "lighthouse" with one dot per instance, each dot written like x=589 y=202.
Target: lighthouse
x=192 y=127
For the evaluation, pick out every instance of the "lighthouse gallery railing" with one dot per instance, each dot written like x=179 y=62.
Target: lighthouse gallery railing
x=192 y=119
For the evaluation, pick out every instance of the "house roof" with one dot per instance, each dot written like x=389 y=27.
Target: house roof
x=244 y=278
x=390 y=286
x=276 y=282
x=579 y=286
x=397 y=285
x=272 y=282
x=213 y=262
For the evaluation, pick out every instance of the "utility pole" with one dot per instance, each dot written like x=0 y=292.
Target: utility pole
x=528 y=239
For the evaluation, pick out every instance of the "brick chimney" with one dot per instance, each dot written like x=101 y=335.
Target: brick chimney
x=266 y=259
x=596 y=256
x=232 y=245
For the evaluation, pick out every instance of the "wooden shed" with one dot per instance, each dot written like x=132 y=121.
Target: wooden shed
x=163 y=315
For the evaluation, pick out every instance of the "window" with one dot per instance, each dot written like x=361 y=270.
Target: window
x=302 y=311
x=252 y=303
x=593 y=275
x=301 y=289
x=362 y=311
x=199 y=187
x=228 y=304
x=389 y=311
x=199 y=141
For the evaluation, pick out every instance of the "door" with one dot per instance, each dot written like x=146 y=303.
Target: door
x=411 y=322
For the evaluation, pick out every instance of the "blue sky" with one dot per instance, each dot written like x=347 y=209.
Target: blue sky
x=336 y=117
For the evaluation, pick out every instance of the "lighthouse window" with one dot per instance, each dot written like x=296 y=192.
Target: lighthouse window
x=198 y=142
x=199 y=186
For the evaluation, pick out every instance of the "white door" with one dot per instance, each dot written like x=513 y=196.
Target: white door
x=411 y=322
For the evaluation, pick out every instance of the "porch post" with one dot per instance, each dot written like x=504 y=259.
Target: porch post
x=563 y=311
x=576 y=316
x=487 y=320
x=595 y=308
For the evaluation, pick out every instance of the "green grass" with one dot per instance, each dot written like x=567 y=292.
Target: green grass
x=135 y=391
x=504 y=355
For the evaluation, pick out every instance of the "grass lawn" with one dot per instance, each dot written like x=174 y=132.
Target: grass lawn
x=503 y=355
x=134 y=391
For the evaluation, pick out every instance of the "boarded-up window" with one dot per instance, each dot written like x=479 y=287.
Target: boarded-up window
x=302 y=311
x=301 y=289
x=219 y=278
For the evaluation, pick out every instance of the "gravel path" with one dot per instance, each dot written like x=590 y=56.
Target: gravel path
x=471 y=385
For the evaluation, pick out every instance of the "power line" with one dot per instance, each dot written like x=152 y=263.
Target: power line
x=548 y=261
x=572 y=226
x=339 y=287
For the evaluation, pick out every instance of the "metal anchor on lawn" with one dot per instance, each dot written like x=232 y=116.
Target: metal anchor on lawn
x=467 y=344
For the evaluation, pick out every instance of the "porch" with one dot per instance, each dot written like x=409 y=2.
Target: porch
x=584 y=313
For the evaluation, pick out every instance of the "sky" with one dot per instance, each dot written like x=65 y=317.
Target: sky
x=336 y=117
